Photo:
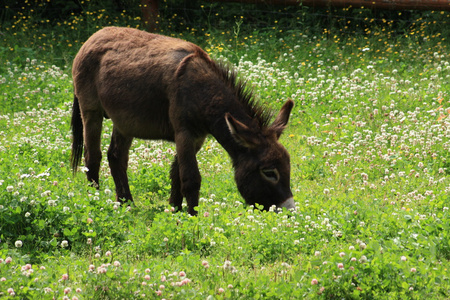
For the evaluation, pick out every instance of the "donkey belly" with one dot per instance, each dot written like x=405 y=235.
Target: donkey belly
x=142 y=121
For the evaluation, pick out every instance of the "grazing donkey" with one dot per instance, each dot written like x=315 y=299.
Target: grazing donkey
x=158 y=87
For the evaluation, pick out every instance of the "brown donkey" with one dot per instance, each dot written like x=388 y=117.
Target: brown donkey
x=157 y=87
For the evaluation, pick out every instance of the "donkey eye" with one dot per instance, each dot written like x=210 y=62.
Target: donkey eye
x=271 y=175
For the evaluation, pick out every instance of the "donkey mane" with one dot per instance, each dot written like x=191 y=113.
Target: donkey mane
x=229 y=75
x=245 y=95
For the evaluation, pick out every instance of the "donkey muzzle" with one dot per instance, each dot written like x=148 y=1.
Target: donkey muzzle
x=288 y=204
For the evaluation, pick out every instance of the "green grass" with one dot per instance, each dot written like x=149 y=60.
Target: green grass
x=368 y=139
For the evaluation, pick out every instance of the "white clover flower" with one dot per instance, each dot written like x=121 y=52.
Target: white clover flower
x=64 y=244
x=18 y=244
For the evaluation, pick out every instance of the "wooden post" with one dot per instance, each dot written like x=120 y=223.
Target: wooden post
x=150 y=14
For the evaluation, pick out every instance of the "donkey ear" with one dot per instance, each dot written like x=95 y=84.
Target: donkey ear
x=283 y=117
x=240 y=132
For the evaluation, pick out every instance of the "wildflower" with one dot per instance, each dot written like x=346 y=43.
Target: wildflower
x=147 y=277
x=64 y=244
x=227 y=264
x=67 y=290
x=8 y=260
x=9 y=188
x=314 y=281
x=340 y=265
x=89 y=241
x=116 y=264
x=230 y=286
x=182 y=274
x=18 y=244
x=205 y=264
x=403 y=258
x=221 y=290
x=11 y=292
x=317 y=253
x=65 y=277
x=342 y=254
x=363 y=259
x=108 y=253
x=413 y=270
x=147 y=270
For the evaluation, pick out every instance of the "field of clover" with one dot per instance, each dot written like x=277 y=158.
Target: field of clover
x=369 y=141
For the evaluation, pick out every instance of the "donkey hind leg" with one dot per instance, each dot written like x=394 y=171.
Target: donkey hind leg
x=118 y=163
x=176 y=197
x=92 y=122
x=189 y=180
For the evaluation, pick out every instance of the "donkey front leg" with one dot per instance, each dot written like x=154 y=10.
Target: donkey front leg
x=118 y=163
x=190 y=179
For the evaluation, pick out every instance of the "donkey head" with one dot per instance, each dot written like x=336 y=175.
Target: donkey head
x=262 y=169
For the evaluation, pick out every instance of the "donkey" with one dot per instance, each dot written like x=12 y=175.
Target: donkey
x=157 y=87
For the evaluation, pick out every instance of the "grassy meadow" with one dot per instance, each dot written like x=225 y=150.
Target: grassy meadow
x=369 y=142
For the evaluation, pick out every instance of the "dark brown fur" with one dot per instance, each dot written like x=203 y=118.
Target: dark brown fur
x=157 y=87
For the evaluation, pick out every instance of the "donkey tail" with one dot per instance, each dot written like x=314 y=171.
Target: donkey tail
x=77 y=135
